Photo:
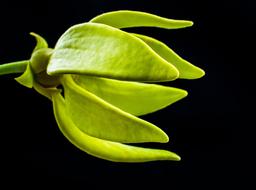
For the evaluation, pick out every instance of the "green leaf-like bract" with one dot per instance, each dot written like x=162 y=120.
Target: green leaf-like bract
x=26 y=79
x=41 y=42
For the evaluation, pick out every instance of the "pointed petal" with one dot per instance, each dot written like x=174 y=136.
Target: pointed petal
x=132 y=97
x=127 y=19
x=104 y=149
x=98 y=118
x=186 y=69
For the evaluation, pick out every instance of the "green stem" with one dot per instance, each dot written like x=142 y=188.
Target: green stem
x=14 y=67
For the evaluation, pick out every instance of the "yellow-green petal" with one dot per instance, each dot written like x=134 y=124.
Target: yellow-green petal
x=186 y=69
x=101 y=50
x=104 y=149
x=100 y=119
x=133 y=97
x=127 y=19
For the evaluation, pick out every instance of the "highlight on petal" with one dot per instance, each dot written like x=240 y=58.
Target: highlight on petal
x=100 y=50
x=100 y=119
x=104 y=149
x=127 y=19
x=186 y=69
x=132 y=97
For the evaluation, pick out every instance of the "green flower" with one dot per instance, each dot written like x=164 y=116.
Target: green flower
x=105 y=76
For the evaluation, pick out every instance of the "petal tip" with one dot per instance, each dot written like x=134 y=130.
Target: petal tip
x=202 y=73
x=173 y=156
x=190 y=23
x=173 y=73
x=199 y=74
x=185 y=93
x=165 y=138
x=185 y=23
x=177 y=158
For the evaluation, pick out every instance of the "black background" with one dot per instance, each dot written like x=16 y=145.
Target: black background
x=206 y=128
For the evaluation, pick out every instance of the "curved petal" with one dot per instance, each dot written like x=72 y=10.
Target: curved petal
x=127 y=19
x=104 y=149
x=101 y=50
x=98 y=118
x=132 y=97
x=186 y=69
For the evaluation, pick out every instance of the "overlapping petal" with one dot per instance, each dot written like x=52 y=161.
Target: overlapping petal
x=103 y=71
x=98 y=118
x=133 y=97
x=104 y=149
x=186 y=69
x=101 y=50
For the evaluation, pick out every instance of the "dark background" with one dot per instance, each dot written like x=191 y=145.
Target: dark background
x=206 y=128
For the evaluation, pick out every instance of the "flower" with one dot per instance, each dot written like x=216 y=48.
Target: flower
x=104 y=73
